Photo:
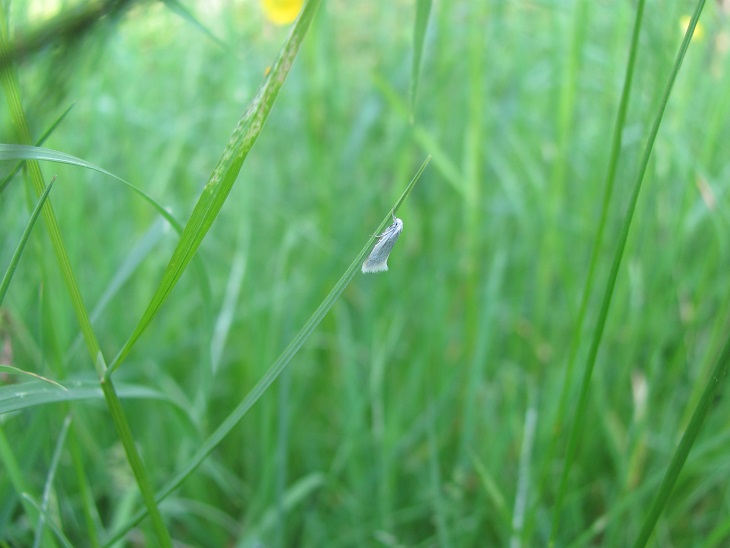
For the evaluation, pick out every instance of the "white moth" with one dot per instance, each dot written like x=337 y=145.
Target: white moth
x=377 y=261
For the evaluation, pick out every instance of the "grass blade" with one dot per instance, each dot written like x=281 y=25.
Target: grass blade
x=719 y=372
x=609 y=183
x=23 y=240
x=27 y=499
x=294 y=496
x=5 y=182
x=224 y=175
x=26 y=395
x=577 y=425
x=11 y=87
x=181 y=11
x=423 y=11
x=49 y=482
x=426 y=139
x=279 y=365
x=9 y=81
x=14 y=474
x=135 y=461
x=11 y=369
x=27 y=152
x=125 y=269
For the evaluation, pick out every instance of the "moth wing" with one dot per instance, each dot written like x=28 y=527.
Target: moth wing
x=377 y=261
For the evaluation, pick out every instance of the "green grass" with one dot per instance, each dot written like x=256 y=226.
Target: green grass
x=520 y=375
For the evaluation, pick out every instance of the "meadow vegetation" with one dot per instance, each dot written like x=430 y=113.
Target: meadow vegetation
x=524 y=372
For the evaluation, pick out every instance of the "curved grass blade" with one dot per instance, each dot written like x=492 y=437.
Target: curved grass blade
x=224 y=175
x=5 y=182
x=23 y=240
x=11 y=87
x=276 y=369
x=17 y=397
x=579 y=415
x=28 y=152
x=11 y=369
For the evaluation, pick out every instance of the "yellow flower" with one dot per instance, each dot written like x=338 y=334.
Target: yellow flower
x=281 y=12
x=699 y=29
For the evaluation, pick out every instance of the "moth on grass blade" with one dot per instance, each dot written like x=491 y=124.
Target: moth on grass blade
x=377 y=261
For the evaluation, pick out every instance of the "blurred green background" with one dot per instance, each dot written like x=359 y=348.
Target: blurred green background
x=422 y=410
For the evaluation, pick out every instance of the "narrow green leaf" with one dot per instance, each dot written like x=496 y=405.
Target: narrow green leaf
x=598 y=244
x=423 y=11
x=49 y=482
x=124 y=271
x=27 y=499
x=298 y=492
x=224 y=175
x=13 y=152
x=435 y=480
x=5 y=283
x=11 y=87
x=426 y=139
x=135 y=461
x=181 y=11
x=15 y=475
x=17 y=397
x=276 y=369
x=5 y=182
x=492 y=490
x=86 y=499
x=17 y=371
x=719 y=372
x=54 y=125
x=579 y=415
x=27 y=152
